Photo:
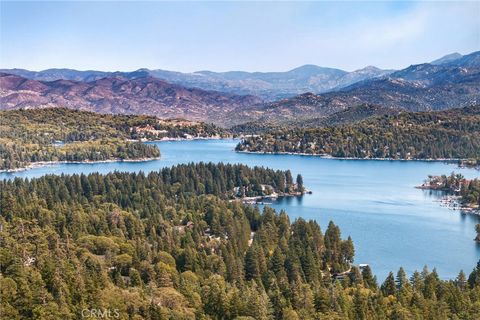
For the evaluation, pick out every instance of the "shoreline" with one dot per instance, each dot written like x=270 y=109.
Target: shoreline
x=41 y=164
x=188 y=139
x=451 y=201
x=327 y=156
x=272 y=197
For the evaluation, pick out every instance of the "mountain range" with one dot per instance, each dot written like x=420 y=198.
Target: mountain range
x=450 y=84
x=118 y=95
x=267 y=85
x=235 y=97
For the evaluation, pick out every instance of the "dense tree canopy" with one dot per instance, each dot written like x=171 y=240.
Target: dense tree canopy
x=451 y=134
x=58 y=134
x=171 y=245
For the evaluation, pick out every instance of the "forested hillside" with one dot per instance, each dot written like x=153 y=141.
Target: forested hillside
x=425 y=135
x=167 y=246
x=59 y=134
x=350 y=115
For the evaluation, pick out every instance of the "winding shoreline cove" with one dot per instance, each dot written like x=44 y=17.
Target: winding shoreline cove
x=391 y=222
x=41 y=164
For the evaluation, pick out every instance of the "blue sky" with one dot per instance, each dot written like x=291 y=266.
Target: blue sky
x=221 y=36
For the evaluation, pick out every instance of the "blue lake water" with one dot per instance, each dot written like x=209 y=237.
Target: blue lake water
x=392 y=223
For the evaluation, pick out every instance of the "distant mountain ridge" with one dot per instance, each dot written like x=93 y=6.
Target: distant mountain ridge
x=117 y=95
x=268 y=85
x=449 y=82
x=447 y=58
x=424 y=87
x=59 y=74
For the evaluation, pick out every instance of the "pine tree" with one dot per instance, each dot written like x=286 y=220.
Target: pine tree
x=461 y=280
x=300 y=187
x=430 y=285
x=360 y=306
x=347 y=250
x=416 y=280
x=368 y=279
x=252 y=270
x=214 y=297
x=474 y=277
x=277 y=261
x=288 y=179
x=401 y=278
x=355 y=276
x=388 y=287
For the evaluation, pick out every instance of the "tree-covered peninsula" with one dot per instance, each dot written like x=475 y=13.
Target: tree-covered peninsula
x=451 y=134
x=171 y=245
x=59 y=134
x=467 y=191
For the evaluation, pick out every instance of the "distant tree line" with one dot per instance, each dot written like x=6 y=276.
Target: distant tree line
x=60 y=134
x=425 y=135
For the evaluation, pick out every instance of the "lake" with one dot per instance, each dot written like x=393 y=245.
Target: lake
x=392 y=224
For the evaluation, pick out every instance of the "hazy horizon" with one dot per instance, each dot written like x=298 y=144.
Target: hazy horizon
x=248 y=71
x=233 y=36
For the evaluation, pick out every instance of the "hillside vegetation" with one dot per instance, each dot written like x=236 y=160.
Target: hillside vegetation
x=447 y=134
x=350 y=115
x=59 y=134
